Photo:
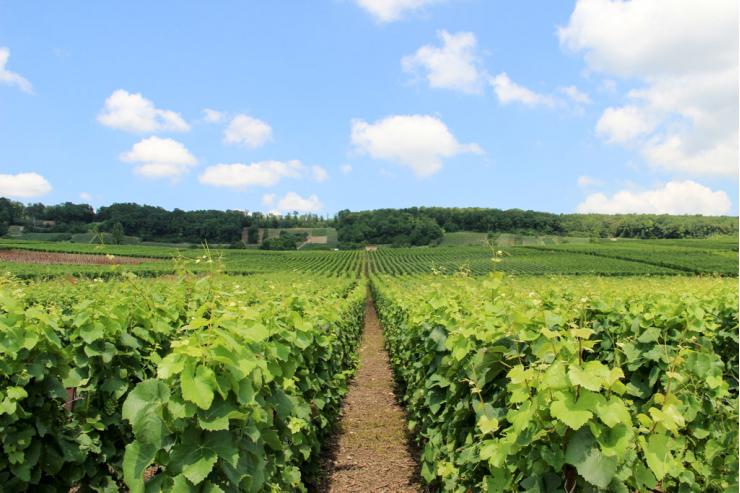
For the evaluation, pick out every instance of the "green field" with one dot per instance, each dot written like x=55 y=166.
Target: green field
x=628 y=257
x=208 y=369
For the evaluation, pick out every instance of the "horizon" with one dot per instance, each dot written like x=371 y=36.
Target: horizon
x=328 y=217
x=367 y=104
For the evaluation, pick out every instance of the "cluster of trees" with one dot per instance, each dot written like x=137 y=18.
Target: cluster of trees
x=400 y=227
x=386 y=226
x=647 y=226
x=147 y=222
x=425 y=225
x=286 y=241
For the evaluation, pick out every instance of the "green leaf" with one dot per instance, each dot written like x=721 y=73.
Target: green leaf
x=657 y=454
x=172 y=364
x=218 y=415
x=199 y=464
x=614 y=442
x=574 y=413
x=613 y=412
x=136 y=459
x=143 y=409
x=91 y=332
x=487 y=425
x=592 y=376
x=198 y=386
x=554 y=377
x=222 y=442
x=583 y=453
x=643 y=476
x=192 y=457
x=651 y=334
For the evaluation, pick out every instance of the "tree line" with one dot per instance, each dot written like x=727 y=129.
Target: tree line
x=149 y=223
x=427 y=225
x=400 y=227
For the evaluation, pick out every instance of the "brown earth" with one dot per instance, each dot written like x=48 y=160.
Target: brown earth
x=31 y=257
x=370 y=451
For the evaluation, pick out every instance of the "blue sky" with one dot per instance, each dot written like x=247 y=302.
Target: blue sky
x=341 y=104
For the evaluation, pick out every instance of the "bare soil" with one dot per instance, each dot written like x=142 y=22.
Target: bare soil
x=370 y=451
x=31 y=257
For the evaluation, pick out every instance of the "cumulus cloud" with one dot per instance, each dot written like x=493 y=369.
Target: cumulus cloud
x=132 y=112
x=392 y=10
x=454 y=65
x=420 y=142
x=508 y=91
x=294 y=202
x=12 y=78
x=260 y=174
x=156 y=157
x=247 y=131
x=23 y=185
x=268 y=199
x=575 y=95
x=87 y=197
x=685 y=117
x=319 y=173
x=624 y=124
x=587 y=181
x=675 y=197
x=346 y=169
x=213 y=116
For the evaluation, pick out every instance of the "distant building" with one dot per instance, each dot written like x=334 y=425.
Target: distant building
x=371 y=248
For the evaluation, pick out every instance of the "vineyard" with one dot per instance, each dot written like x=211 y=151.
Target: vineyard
x=621 y=258
x=575 y=386
x=570 y=367
x=207 y=382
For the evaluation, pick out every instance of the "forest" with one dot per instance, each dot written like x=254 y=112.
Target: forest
x=412 y=226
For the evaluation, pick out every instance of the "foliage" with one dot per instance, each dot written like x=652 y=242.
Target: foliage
x=557 y=386
x=387 y=226
x=130 y=345
x=286 y=241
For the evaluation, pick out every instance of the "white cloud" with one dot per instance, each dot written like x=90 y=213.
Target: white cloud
x=587 y=181
x=160 y=158
x=392 y=10
x=623 y=125
x=12 y=78
x=260 y=174
x=132 y=112
x=675 y=197
x=346 y=169
x=86 y=196
x=689 y=72
x=420 y=142
x=294 y=202
x=268 y=199
x=213 y=116
x=23 y=185
x=575 y=95
x=319 y=173
x=509 y=91
x=454 y=65
x=247 y=131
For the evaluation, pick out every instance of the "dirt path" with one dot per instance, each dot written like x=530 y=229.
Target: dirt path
x=370 y=452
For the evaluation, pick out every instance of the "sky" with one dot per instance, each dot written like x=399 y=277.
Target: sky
x=586 y=106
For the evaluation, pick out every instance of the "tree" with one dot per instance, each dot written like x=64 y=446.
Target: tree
x=117 y=233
